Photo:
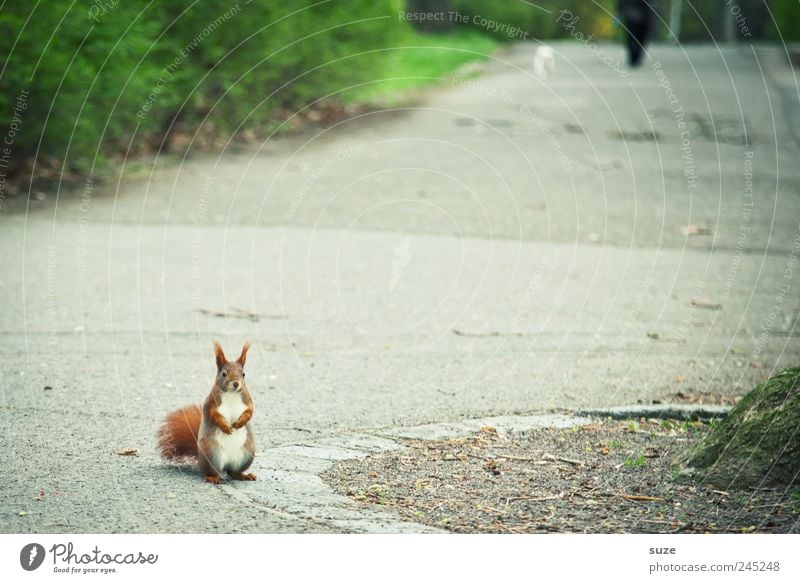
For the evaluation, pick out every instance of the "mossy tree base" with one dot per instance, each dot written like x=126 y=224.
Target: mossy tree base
x=758 y=444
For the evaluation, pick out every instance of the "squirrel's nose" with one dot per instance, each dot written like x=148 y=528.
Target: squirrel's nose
x=235 y=384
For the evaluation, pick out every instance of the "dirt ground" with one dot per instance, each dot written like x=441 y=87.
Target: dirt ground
x=609 y=477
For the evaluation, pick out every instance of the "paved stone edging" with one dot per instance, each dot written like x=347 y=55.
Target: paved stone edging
x=681 y=412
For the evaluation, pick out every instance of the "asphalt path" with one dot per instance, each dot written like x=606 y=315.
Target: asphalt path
x=508 y=245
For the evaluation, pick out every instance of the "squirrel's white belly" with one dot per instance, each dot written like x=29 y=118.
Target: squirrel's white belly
x=231 y=407
x=231 y=446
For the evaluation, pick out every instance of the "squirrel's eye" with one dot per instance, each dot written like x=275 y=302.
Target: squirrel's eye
x=224 y=374
x=242 y=375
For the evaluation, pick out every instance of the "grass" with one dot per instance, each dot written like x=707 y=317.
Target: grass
x=420 y=61
x=636 y=462
x=376 y=494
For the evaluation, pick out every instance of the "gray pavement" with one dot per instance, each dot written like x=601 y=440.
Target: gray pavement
x=508 y=246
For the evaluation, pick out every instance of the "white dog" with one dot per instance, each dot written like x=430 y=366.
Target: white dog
x=544 y=62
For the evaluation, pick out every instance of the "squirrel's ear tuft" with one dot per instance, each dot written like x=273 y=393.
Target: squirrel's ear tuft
x=221 y=360
x=243 y=355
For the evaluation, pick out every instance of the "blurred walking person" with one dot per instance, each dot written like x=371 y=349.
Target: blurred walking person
x=638 y=17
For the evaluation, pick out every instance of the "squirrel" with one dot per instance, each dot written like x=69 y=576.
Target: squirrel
x=218 y=434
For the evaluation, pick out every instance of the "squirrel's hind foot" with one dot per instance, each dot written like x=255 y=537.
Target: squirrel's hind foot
x=244 y=477
x=212 y=479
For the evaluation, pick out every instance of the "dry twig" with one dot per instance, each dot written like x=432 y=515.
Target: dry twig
x=566 y=460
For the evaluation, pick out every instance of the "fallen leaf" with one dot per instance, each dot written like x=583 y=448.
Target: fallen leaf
x=704 y=303
x=492 y=466
x=128 y=451
x=692 y=229
x=757 y=364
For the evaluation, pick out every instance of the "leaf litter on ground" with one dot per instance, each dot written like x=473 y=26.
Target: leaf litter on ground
x=560 y=480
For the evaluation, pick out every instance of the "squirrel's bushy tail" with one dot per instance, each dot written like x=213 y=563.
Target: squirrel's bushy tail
x=177 y=437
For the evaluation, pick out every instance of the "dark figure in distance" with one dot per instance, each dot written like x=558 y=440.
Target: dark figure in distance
x=639 y=19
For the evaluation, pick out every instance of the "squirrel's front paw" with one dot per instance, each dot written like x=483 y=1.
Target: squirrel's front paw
x=227 y=429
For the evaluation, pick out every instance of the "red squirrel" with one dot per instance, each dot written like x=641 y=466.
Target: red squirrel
x=218 y=434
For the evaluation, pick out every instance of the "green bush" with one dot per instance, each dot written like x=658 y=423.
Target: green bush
x=538 y=20
x=93 y=75
x=271 y=56
x=786 y=15
x=82 y=79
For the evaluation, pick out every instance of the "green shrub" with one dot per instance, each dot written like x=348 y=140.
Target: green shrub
x=83 y=79
x=786 y=15
x=269 y=55
x=96 y=74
